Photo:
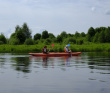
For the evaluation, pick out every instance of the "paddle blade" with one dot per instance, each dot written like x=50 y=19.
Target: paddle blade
x=52 y=45
x=69 y=45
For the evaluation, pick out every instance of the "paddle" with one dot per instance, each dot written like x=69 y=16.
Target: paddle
x=51 y=46
x=69 y=45
x=69 y=49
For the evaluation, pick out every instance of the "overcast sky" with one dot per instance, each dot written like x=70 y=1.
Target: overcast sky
x=54 y=16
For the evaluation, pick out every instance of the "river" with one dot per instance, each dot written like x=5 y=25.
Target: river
x=87 y=73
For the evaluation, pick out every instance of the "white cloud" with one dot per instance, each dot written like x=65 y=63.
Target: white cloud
x=93 y=9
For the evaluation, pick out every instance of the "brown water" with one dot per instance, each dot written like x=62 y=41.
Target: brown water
x=87 y=73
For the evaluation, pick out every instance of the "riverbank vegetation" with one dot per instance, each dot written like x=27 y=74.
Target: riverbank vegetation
x=57 y=48
x=96 y=39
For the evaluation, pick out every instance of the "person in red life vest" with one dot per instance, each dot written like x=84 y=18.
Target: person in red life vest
x=45 y=49
x=67 y=50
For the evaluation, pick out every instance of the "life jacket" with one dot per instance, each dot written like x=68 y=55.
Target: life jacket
x=66 y=50
x=44 y=50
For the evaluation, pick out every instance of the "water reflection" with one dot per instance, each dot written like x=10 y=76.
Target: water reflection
x=97 y=62
x=45 y=63
x=87 y=73
x=2 y=62
x=53 y=62
x=21 y=64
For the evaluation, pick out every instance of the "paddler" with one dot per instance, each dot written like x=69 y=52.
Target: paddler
x=67 y=50
x=45 y=49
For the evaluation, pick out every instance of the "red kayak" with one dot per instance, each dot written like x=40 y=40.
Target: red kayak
x=55 y=54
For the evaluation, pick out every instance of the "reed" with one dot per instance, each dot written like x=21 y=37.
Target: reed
x=103 y=47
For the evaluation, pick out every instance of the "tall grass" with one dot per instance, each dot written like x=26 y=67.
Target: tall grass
x=104 y=47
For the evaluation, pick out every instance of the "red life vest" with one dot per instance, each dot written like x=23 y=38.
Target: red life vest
x=65 y=50
x=44 y=50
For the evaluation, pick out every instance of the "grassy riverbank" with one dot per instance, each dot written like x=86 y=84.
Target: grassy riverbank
x=105 y=47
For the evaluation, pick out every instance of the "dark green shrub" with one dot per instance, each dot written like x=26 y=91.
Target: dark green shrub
x=80 y=42
x=71 y=40
x=3 y=39
x=36 y=42
x=29 y=41
x=1 y=42
x=14 y=41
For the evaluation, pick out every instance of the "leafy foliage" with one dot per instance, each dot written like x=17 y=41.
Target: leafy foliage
x=90 y=34
x=70 y=40
x=3 y=39
x=45 y=34
x=13 y=41
x=37 y=36
x=26 y=31
x=51 y=35
x=63 y=35
x=77 y=34
x=29 y=41
x=22 y=35
x=59 y=39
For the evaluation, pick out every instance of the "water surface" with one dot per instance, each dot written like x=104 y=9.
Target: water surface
x=87 y=73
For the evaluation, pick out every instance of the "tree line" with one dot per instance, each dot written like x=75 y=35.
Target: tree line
x=100 y=34
x=23 y=35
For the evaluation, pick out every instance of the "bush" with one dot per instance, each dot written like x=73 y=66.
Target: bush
x=29 y=41
x=36 y=42
x=1 y=42
x=70 y=40
x=47 y=41
x=14 y=41
x=80 y=42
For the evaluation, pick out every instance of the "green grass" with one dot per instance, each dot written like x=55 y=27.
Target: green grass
x=104 y=47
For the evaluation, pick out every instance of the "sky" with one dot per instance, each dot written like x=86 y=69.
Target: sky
x=54 y=16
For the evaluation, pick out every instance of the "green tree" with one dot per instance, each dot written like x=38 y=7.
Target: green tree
x=29 y=41
x=13 y=41
x=95 y=39
x=102 y=29
x=70 y=35
x=17 y=28
x=21 y=33
x=63 y=35
x=97 y=30
x=13 y=35
x=37 y=36
x=77 y=34
x=59 y=39
x=51 y=35
x=83 y=34
x=47 y=41
x=26 y=31
x=45 y=34
x=70 y=40
x=20 y=36
x=79 y=41
x=107 y=35
x=102 y=37
x=90 y=34
x=3 y=39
